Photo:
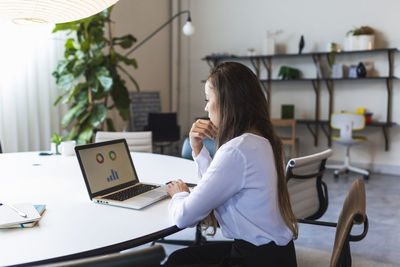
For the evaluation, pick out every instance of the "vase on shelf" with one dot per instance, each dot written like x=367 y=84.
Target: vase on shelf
x=361 y=70
x=268 y=44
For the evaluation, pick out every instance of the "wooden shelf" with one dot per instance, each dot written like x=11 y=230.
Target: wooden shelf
x=225 y=57
x=331 y=79
x=265 y=61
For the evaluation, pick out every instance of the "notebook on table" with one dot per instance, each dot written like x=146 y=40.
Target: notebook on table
x=111 y=178
x=19 y=213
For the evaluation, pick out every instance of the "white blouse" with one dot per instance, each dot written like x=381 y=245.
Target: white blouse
x=240 y=184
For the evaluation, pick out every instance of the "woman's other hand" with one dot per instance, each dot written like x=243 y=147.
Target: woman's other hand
x=177 y=187
x=200 y=130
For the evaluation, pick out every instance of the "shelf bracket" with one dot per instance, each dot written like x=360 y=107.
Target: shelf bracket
x=385 y=130
x=266 y=89
x=256 y=65
x=317 y=62
x=312 y=131
x=330 y=58
x=268 y=66
x=317 y=91
x=212 y=62
x=327 y=133
x=389 y=86
x=329 y=85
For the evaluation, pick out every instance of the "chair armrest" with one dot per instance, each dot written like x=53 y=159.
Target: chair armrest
x=321 y=223
x=325 y=193
x=331 y=224
x=363 y=234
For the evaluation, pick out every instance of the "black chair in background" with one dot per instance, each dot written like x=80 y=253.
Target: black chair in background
x=165 y=129
x=0 y=149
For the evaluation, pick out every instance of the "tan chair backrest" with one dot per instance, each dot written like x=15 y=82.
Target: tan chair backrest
x=353 y=212
x=308 y=193
x=137 y=141
x=290 y=140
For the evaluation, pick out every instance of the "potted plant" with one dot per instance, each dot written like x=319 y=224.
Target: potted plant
x=360 y=38
x=55 y=142
x=89 y=76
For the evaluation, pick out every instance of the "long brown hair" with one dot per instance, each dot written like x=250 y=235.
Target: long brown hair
x=243 y=107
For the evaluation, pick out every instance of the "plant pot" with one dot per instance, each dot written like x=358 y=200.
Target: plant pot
x=54 y=148
x=366 y=42
x=359 y=42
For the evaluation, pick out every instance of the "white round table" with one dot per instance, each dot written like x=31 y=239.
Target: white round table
x=72 y=223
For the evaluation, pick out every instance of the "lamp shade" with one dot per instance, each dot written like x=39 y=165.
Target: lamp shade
x=188 y=28
x=50 y=11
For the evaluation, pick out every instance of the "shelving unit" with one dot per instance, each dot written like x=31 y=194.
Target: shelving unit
x=314 y=125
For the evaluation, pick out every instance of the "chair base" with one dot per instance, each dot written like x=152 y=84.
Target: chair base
x=346 y=167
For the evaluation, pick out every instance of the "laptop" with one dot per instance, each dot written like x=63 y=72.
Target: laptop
x=111 y=178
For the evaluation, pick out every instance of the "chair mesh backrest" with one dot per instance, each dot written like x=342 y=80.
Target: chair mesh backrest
x=304 y=176
x=353 y=212
x=137 y=141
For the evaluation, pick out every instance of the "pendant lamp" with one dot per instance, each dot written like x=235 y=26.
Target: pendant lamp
x=50 y=11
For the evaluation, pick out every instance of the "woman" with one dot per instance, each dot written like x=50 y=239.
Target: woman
x=244 y=185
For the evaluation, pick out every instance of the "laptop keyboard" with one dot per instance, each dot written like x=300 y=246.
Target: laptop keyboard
x=131 y=192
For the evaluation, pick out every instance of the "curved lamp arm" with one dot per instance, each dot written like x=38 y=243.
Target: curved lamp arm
x=188 y=29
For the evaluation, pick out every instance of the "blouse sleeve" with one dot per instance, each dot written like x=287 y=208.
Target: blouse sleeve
x=202 y=160
x=223 y=179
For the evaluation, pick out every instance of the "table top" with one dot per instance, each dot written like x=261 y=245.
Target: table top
x=72 y=223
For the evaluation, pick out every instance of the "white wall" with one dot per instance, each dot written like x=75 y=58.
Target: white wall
x=233 y=26
x=140 y=18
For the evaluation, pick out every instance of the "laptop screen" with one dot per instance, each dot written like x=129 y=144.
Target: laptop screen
x=106 y=165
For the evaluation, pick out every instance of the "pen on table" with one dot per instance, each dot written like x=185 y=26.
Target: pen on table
x=20 y=213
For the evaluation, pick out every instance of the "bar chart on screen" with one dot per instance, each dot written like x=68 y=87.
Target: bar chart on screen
x=114 y=176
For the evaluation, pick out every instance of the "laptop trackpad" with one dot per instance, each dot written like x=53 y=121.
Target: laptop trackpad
x=159 y=192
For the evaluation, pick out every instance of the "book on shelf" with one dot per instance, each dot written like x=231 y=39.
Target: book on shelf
x=32 y=219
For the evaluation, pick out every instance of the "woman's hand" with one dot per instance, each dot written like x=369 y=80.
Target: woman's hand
x=177 y=187
x=200 y=130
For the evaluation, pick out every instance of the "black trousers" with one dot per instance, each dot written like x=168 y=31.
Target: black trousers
x=238 y=253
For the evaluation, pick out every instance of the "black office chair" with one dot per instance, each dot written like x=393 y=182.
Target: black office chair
x=151 y=256
x=165 y=129
x=1 y=151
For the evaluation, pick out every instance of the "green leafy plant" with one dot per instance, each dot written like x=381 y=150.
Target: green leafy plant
x=363 y=30
x=88 y=76
x=57 y=139
x=288 y=73
x=331 y=56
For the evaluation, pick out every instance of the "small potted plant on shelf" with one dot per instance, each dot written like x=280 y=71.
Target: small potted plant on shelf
x=360 y=38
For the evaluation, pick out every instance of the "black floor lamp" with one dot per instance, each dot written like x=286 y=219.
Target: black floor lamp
x=187 y=29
